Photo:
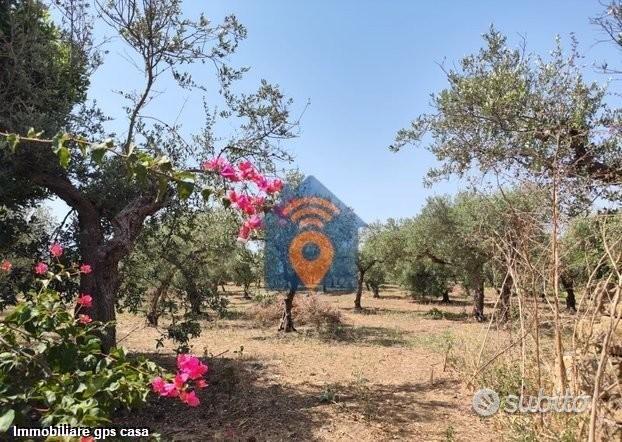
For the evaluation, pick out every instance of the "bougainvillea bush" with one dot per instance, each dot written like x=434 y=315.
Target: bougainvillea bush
x=52 y=369
x=54 y=348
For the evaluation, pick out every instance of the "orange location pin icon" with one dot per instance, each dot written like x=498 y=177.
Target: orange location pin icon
x=311 y=271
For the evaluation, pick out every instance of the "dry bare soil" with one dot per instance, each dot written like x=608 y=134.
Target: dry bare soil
x=380 y=377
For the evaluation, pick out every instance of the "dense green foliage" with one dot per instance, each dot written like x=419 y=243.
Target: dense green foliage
x=63 y=376
x=24 y=236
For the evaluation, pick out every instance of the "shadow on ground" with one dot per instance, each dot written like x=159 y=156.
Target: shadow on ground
x=393 y=409
x=345 y=333
x=366 y=335
x=438 y=314
x=235 y=406
x=240 y=405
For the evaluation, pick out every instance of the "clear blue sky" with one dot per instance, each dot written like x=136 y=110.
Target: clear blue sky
x=367 y=68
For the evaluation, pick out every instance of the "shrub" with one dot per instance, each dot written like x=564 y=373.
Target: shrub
x=268 y=314
x=435 y=313
x=307 y=310
x=313 y=311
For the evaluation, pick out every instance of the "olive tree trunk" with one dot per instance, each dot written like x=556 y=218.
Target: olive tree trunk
x=375 y=288
x=287 y=320
x=478 y=299
x=154 y=308
x=359 y=291
x=362 y=269
x=571 y=301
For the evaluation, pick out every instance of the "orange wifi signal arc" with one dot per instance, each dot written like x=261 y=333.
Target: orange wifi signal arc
x=311 y=222
x=310 y=211
x=295 y=204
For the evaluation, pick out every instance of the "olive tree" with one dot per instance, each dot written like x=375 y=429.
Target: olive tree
x=115 y=185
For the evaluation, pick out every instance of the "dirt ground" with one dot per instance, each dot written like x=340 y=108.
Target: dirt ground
x=381 y=378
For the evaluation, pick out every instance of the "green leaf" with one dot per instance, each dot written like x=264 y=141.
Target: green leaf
x=162 y=186
x=185 y=189
x=98 y=153
x=185 y=184
x=13 y=141
x=50 y=396
x=63 y=153
x=64 y=157
x=6 y=420
x=206 y=194
x=83 y=145
x=59 y=140
x=32 y=134
x=163 y=163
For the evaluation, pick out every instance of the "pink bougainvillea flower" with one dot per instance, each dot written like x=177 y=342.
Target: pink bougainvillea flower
x=247 y=171
x=41 y=268
x=87 y=439
x=180 y=380
x=84 y=319
x=274 y=186
x=229 y=173
x=182 y=360
x=233 y=196
x=191 y=399
x=245 y=204
x=86 y=269
x=244 y=233
x=254 y=222
x=190 y=368
x=169 y=390
x=262 y=182
x=56 y=250
x=191 y=365
x=157 y=384
x=259 y=201
x=85 y=300
x=6 y=266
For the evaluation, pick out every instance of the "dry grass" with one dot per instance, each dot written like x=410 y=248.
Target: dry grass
x=377 y=376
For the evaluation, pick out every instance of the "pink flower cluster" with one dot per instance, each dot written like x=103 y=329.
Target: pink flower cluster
x=41 y=268
x=6 y=266
x=56 y=250
x=251 y=206
x=190 y=368
x=84 y=300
